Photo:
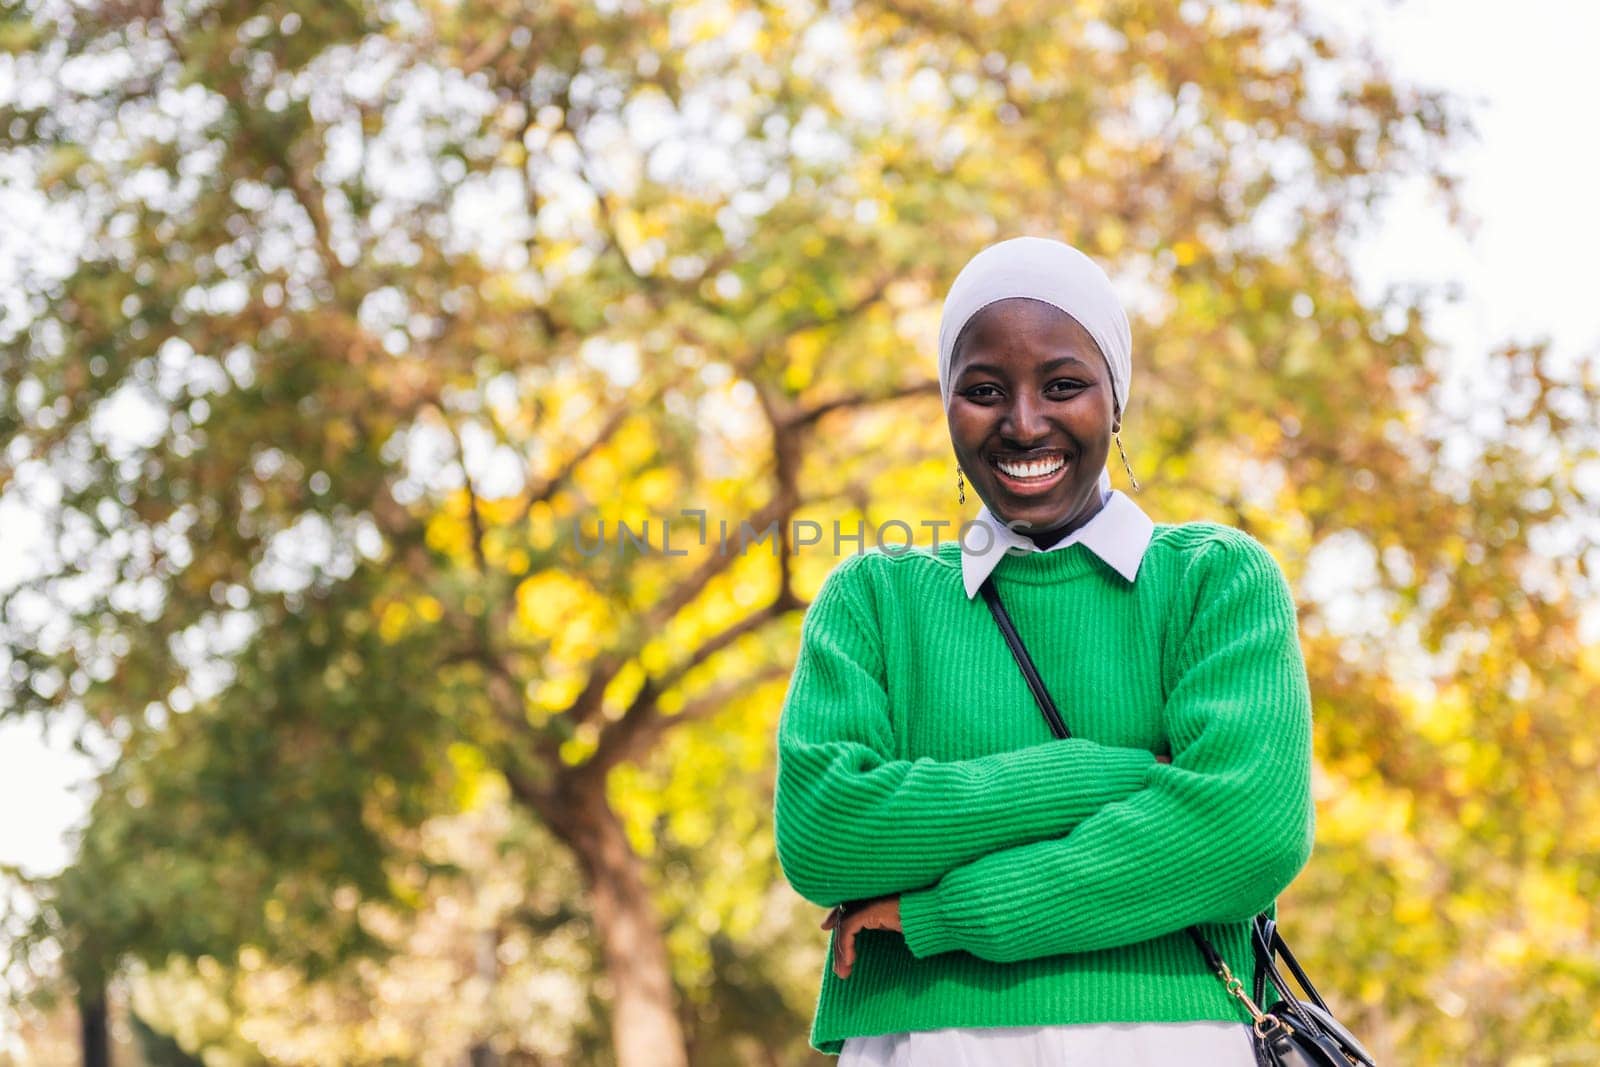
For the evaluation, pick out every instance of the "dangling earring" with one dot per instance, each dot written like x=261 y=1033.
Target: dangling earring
x=961 y=486
x=1118 y=438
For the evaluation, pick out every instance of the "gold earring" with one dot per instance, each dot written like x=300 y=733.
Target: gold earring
x=961 y=486
x=1124 y=455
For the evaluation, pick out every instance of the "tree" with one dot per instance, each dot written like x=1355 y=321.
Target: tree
x=417 y=296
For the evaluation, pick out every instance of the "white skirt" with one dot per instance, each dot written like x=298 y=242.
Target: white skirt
x=1191 y=1044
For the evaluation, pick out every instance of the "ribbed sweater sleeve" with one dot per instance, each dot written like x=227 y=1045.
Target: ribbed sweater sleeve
x=851 y=821
x=1213 y=838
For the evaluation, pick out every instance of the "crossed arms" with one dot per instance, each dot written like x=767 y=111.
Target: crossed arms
x=1068 y=845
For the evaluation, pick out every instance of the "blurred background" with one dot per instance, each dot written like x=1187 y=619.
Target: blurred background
x=330 y=336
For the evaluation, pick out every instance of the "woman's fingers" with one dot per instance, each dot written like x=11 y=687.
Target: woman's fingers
x=881 y=914
x=844 y=943
x=843 y=939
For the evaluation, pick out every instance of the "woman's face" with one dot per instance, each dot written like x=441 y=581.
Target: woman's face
x=1031 y=413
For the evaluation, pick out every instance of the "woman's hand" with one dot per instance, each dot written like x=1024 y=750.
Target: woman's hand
x=881 y=914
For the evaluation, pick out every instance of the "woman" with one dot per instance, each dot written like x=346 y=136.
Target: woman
x=1000 y=896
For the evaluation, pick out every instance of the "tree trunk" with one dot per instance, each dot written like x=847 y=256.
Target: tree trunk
x=646 y=1031
x=95 y=1037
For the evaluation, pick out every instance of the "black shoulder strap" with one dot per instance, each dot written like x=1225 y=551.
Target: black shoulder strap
x=1052 y=715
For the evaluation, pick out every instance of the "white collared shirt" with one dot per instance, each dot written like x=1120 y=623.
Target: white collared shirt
x=1118 y=533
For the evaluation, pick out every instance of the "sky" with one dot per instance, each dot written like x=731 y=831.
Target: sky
x=1527 y=272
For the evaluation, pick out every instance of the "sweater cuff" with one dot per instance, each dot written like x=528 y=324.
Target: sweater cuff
x=922 y=923
x=927 y=924
x=1127 y=771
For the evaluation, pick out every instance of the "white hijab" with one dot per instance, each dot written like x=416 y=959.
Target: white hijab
x=1047 y=270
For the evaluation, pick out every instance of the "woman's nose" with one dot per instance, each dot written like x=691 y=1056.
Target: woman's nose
x=1025 y=422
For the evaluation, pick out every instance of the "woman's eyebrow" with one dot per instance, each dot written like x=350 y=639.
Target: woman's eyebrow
x=1047 y=365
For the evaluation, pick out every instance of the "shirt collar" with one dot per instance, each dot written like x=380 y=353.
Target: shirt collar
x=1119 y=533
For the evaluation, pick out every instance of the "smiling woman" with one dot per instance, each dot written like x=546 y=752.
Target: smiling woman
x=997 y=896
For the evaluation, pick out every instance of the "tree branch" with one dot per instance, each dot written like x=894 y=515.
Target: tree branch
x=643 y=723
x=607 y=431
x=807 y=416
x=586 y=707
x=488 y=50
x=474 y=514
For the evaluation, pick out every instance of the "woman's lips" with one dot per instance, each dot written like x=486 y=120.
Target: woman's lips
x=1033 y=485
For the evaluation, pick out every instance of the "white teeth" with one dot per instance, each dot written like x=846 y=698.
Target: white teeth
x=1035 y=469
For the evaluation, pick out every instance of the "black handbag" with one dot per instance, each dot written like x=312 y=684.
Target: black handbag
x=1291 y=1032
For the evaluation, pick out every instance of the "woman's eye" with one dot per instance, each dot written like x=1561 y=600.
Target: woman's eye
x=981 y=392
x=1065 y=385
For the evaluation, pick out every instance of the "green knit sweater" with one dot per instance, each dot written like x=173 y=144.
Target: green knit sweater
x=1046 y=881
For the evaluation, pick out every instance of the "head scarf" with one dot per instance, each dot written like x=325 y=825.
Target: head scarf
x=1047 y=270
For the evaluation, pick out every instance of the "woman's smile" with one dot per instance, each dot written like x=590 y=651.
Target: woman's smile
x=1034 y=476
